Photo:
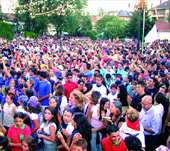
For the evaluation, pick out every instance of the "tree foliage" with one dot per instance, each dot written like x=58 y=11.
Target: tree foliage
x=132 y=27
x=6 y=31
x=112 y=26
x=63 y=14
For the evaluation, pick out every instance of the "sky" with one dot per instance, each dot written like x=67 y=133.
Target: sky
x=93 y=5
x=110 y=5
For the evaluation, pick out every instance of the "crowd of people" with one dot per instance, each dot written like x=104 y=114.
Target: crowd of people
x=71 y=94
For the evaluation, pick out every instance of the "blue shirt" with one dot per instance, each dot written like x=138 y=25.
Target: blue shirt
x=122 y=72
x=8 y=80
x=150 y=120
x=44 y=89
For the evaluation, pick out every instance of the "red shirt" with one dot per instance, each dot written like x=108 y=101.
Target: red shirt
x=107 y=145
x=69 y=87
x=16 y=135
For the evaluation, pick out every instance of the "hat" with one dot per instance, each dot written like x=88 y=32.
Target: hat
x=118 y=105
x=33 y=101
x=59 y=75
x=23 y=99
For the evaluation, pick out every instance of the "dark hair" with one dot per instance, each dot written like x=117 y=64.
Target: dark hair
x=159 y=98
x=7 y=89
x=89 y=86
x=80 y=81
x=102 y=103
x=3 y=142
x=112 y=129
x=12 y=96
x=83 y=126
x=52 y=110
x=29 y=92
x=88 y=65
x=81 y=143
x=130 y=78
x=34 y=70
x=60 y=90
x=95 y=96
x=143 y=85
x=156 y=82
x=19 y=115
x=133 y=143
x=123 y=95
x=31 y=143
x=43 y=74
x=69 y=74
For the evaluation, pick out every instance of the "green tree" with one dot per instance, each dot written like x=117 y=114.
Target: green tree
x=6 y=30
x=112 y=26
x=132 y=27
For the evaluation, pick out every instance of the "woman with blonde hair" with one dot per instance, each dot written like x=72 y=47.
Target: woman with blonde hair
x=78 y=101
x=132 y=126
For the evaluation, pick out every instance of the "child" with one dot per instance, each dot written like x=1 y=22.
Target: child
x=54 y=103
x=17 y=132
x=66 y=128
x=80 y=145
x=28 y=144
x=48 y=129
x=9 y=111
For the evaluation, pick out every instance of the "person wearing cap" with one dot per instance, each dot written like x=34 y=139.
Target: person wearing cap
x=113 y=141
x=116 y=113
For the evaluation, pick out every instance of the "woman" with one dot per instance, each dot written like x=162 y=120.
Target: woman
x=116 y=114
x=82 y=129
x=132 y=126
x=87 y=89
x=17 y=132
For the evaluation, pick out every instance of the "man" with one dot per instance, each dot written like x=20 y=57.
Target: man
x=113 y=141
x=150 y=121
x=99 y=86
x=134 y=91
x=133 y=143
x=69 y=85
x=136 y=102
x=152 y=86
x=44 y=89
x=80 y=145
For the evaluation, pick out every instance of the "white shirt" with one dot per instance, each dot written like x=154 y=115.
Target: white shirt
x=102 y=89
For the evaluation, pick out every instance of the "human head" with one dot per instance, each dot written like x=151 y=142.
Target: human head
x=69 y=77
x=128 y=79
x=120 y=66
x=3 y=142
x=146 y=102
x=87 y=87
x=104 y=105
x=19 y=119
x=116 y=105
x=24 y=100
x=163 y=89
x=28 y=144
x=30 y=83
x=80 y=145
x=81 y=123
x=99 y=79
x=95 y=96
x=133 y=143
x=152 y=83
x=49 y=114
x=132 y=115
x=141 y=87
x=159 y=98
x=80 y=85
x=60 y=90
x=53 y=102
x=10 y=97
x=113 y=88
x=67 y=115
x=134 y=85
x=33 y=105
x=113 y=133
x=29 y=92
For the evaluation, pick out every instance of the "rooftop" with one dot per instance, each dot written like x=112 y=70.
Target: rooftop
x=163 y=26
